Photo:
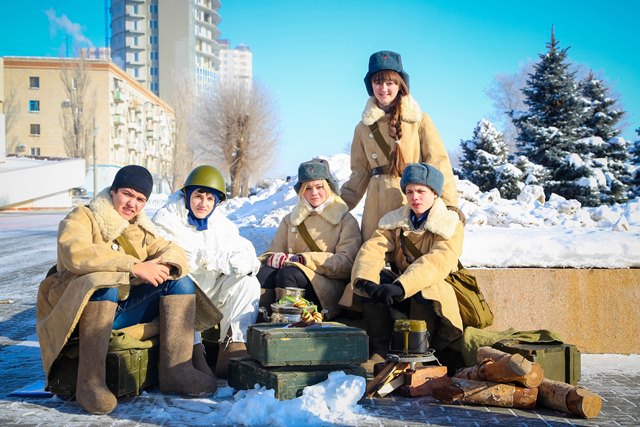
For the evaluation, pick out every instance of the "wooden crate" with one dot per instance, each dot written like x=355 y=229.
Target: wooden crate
x=333 y=344
x=287 y=382
x=560 y=362
x=128 y=372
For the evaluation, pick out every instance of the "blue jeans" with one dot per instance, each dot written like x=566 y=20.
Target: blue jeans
x=142 y=305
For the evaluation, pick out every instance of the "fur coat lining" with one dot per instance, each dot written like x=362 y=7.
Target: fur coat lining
x=411 y=111
x=110 y=222
x=441 y=221
x=333 y=212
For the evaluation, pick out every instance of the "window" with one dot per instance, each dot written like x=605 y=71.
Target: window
x=34 y=129
x=35 y=151
x=34 y=82
x=34 y=106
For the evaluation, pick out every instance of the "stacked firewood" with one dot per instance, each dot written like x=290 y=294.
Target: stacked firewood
x=510 y=380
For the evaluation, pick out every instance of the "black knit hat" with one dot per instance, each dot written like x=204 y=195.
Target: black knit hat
x=134 y=177
x=424 y=174
x=384 y=60
x=315 y=169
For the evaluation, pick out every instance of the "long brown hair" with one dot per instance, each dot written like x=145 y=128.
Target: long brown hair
x=395 y=118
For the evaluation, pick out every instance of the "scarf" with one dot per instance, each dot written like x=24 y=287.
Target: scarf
x=200 y=224
x=417 y=221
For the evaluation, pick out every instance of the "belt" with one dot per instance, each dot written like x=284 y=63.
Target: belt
x=380 y=170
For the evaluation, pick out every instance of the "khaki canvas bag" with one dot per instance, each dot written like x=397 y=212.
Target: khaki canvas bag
x=474 y=309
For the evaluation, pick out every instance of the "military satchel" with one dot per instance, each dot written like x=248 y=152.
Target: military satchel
x=474 y=309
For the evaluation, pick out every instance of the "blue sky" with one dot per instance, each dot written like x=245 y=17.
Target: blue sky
x=313 y=55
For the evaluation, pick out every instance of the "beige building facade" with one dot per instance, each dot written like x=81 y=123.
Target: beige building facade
x=129 y=125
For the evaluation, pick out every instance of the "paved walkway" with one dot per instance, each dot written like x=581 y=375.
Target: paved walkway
x=27 y=250
x=20 y=366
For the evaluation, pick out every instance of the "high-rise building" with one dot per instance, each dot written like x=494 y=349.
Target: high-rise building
x=159 y=41
x=235 y=64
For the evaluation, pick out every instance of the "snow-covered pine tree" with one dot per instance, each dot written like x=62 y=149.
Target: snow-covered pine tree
x=602 y=114
x=611 y=156
x=484 y=161
x=635 y=165
x=548 y=131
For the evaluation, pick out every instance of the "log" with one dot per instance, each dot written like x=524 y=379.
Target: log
x=506 y=370
x=568 y=398
x=463 y=391
x=521 y=364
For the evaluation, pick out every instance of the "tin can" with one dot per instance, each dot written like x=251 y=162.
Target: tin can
x=410 y=337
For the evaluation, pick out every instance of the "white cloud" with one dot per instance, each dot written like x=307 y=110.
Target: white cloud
x=63 y=24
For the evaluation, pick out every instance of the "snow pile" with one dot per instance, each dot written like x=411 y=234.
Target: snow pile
x=333 y=401
x=527 y=232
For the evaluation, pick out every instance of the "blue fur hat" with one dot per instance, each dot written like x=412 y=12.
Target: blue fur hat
x=424 y=174
x=315 y=169
x=384 y=60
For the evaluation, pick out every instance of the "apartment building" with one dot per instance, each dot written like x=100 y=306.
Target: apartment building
x=159 y=41
x=235 y=64
x=130 y=124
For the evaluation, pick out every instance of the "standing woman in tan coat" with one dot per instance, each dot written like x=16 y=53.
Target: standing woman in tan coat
x=321 y=261
x=394 y=132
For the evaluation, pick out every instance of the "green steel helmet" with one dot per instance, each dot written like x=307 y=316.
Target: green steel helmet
x=207 y=176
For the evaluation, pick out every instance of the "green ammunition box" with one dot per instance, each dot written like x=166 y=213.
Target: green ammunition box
x=333 y=344
x=560 y=362
x=128 y=372
x=287 y=382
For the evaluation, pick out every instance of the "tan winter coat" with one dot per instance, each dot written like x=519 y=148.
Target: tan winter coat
x=439 y=239
x=336 y=233
x=420 y=143
x=89 y=259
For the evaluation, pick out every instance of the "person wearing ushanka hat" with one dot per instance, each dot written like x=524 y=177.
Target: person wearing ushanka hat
x=315 y=245
x=415 y=285
x=114 y=271
x=393 y=132
x=222 y=262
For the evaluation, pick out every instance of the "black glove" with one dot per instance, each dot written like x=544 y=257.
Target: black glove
x=368 y=286
x=387 y=293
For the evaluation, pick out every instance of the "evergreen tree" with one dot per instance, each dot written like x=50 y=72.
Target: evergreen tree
x=601 y=116
x=484 y=161
x=549 y=129
x=634 y=159
x=611 y=155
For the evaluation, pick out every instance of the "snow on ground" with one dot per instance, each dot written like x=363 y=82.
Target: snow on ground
x=528 y=232
x=499 y=233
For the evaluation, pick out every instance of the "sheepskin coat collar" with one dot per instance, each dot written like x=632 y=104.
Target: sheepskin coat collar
x=440 y=220
x=333 y=211
x=411 y=111
x=110 y=222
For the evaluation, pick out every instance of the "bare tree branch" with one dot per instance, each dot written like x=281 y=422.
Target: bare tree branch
x=11 y=112
x=78 y=109
x=506 y=94
x=185 y=132
x=239 y=132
